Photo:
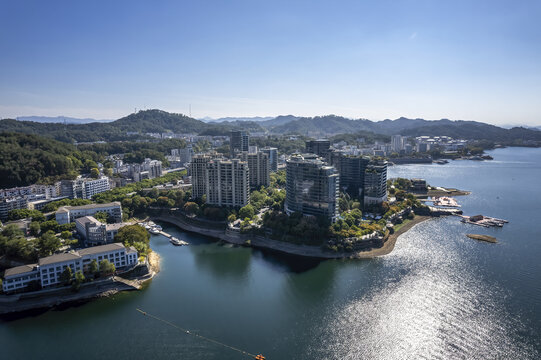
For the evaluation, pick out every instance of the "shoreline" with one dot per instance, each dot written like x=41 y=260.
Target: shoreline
x=288 y=248
x=388 y=246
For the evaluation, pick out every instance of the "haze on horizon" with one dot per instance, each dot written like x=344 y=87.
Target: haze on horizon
x=418 y=59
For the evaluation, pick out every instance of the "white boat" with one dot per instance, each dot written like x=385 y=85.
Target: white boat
x=154 y=231
x=177 y=242
x=158 y=227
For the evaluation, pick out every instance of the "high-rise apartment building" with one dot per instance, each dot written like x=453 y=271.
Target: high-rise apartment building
x=186 y=154
x=311 y=187
x=228 y=182
x=272 y=153
x=239 y=141
x=198 y=171
x=259 y=166
x=320 y=147
x=375 y=183
x=397 y=143
x=351 y=170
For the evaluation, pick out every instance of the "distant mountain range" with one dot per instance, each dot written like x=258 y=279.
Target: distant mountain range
x=158 y=121
x=59 y=119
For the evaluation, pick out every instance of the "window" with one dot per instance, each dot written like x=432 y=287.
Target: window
x=51 y=270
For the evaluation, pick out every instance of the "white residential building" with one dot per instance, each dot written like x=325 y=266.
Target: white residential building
x=397 y=143
x=18 y=277
x=49 y=269
x=96 y=232
x=228 y=183
x=67 y=214
x=93 y=187
x=8 y=204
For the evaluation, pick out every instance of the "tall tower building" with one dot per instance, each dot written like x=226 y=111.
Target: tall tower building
x=228 y=183
x=397 y=143
x=239 y=141
x=311 y=187
x=352 y=171
x=272 y=153
x=259 y=166
x=375 y=183
x=320 y=147
x=198 y=171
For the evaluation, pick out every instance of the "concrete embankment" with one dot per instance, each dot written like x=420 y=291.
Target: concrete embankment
x=237 y=238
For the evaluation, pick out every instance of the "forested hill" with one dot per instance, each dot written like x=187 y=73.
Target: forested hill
x=148 y=121
x=26 y=159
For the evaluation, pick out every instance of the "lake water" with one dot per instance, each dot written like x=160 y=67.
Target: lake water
x=439 y=294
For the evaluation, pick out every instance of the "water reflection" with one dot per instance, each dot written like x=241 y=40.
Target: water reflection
x=222 y=261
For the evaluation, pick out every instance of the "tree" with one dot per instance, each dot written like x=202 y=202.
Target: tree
x=26 y=213
x=48 y=243
x=191 y=208
x=136 y=236
x=101 y=216
x=246 y=212
x=94 y=173
x=65 y=234
x=164 y=201
x=51 y=225
x=66 y=276
x=93 y=268
x=231 y=218
x=79 y=279
x=34 y=228
x=106 y=268
x=12 y=231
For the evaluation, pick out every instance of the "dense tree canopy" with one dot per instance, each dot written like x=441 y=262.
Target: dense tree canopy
x=136 y=236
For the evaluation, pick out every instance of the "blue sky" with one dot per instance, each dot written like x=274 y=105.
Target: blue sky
x=475 y=60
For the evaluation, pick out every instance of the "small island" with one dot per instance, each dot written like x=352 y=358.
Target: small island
x=486 y=238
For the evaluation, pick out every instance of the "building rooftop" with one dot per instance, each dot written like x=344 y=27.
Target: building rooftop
x=90 y=206
x=115 y=226
x=58 y=258
x=18 y=270
x=101 y=248
x=87 y=219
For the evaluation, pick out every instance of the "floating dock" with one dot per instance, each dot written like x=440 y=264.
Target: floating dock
x=484 y=221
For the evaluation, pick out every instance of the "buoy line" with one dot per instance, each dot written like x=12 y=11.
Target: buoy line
x=259 y=357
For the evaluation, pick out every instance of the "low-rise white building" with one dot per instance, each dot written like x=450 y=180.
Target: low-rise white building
x=18 y=277
x=96 y=232
x=48 y=271
x=67 y=214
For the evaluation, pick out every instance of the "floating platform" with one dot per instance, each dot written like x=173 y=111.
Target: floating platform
x=484 y=221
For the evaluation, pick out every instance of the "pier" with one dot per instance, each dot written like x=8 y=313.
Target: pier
x=154 y=230
x=443 y=201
